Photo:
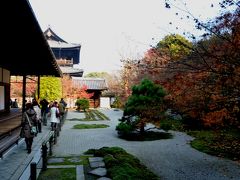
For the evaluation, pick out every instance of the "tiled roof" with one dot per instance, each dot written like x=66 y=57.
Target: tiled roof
x=73 y=72
x=55 y=41
x=58 y=44
x=33 y=55
x=91 y=83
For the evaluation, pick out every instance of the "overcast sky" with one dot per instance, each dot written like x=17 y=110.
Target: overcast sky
x=110 y=30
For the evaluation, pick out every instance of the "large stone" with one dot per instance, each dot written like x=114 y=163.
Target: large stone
x=104 y=178
x=75 y=159
x=97 y=164
x=80 y=172
x=99 y=172
x=95 y=159
x=61 y=166
x=55 y=160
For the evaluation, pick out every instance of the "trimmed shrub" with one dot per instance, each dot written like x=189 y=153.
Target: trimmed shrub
x=82 y=104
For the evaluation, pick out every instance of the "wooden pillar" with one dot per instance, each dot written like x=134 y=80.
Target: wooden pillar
x=38 y=85
x=44 y=157
x=33 y=171
x=24 y=93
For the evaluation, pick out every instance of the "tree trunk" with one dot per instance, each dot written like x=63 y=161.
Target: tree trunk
x=142 y=124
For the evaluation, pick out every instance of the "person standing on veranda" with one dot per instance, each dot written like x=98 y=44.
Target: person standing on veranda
x=54 y=116
x=44 y=110
x=37 y=109
x=28 y=120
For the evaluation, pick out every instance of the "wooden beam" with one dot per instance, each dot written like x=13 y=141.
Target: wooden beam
x=24 y=93
x=38 y=87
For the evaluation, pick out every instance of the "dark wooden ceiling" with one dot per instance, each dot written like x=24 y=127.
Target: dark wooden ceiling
x=24 y=49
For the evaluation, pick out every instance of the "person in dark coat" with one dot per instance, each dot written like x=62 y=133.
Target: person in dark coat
x=15 y=104
x=28 y=120
x=63 y=103
x=44 y=111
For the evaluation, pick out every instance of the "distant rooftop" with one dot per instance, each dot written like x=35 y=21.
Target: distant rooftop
x=91 y=83
x=61 y=48
x=56 y=42
x=72 y=71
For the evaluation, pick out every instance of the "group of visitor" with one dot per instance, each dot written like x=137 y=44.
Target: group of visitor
x=37 y=114
x=13 y=104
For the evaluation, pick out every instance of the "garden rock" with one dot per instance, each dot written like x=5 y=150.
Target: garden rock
x=99 y=172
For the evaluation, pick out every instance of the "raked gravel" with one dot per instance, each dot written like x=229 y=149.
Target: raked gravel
x=171 y=159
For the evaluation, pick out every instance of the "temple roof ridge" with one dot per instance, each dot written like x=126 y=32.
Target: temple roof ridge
x=52 y=36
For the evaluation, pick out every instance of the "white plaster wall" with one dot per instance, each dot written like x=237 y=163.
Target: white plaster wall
x=104 y=102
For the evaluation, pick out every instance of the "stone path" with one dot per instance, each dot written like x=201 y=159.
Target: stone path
x=169 y=159
x=15 y=164
x=97 y=166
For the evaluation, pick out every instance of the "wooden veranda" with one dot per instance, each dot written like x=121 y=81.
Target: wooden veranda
x=25 y=53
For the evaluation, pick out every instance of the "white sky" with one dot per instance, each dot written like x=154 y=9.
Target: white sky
x=110 y=30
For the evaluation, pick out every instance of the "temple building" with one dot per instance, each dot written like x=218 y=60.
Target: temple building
x=67 y=54
x=94 y=85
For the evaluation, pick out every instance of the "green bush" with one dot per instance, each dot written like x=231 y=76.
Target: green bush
x=82 y=104
x=166 y=126
x=124 y=128
x=171 y=124
x=146 y=103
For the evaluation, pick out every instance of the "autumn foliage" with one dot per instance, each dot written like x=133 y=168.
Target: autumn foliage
x=74 y=92
x=17 y=85
x=204 y=84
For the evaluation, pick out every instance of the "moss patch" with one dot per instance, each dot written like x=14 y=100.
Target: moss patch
x=122 y=165
x=92 y=115
x=100 y=115
x=222 y=143
x=67 y=173
x=58 y=174
x=89 y=126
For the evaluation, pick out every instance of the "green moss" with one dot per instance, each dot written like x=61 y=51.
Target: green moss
x=74 y=119
x=223 y=143
x=201 y=146
x=100 y=115
x=171 y=124
x=122 y=165
x=89 y=126
x=58 y=174
x=91 y=115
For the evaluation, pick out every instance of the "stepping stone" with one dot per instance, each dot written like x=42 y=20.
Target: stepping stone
x=80 y=172
x=94 y=159
x=55 y=160
x=61 y=166
x=97 y=164
x=99 y=172
x=75 y=160
x=104 y=178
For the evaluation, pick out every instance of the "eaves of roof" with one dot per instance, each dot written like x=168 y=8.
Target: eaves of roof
x=25 y=49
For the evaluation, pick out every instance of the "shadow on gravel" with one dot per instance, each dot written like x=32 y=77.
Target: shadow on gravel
x=147 y=136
